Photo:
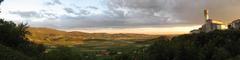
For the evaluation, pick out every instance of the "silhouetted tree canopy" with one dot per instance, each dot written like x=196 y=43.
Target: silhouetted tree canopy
x=216 y=45
x=1 y=1
x=14 y=36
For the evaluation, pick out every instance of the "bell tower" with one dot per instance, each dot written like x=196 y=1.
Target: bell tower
x=206 y=14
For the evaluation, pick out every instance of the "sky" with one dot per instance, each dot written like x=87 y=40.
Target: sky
x=119 y=16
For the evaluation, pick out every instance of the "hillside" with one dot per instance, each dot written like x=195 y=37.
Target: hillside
x=57 y=37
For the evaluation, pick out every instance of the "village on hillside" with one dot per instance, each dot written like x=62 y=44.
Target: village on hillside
x=212 y=24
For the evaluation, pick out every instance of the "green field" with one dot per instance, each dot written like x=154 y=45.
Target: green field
x=98 y=45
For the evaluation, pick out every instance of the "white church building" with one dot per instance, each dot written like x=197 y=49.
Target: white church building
x=210 y=24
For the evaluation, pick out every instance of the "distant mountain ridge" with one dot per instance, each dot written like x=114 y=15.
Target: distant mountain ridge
x=53 y=36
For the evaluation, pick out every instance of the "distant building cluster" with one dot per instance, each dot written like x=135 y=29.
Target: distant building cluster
x=235 y=24
x=211 y=24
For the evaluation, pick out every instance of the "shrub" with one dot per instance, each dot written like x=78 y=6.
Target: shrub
x=14 y=36
x=10 y=54
x=216 y=45
x=62 y=53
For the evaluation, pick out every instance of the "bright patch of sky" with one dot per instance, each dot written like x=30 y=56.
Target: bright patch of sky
x=52 y=8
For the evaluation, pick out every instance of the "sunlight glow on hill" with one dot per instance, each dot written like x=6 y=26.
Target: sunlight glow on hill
x=154 y=31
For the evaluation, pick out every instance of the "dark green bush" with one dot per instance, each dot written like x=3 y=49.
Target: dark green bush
x=14 y=36
x=62 y=53
x=10 y=54
x=216 y=45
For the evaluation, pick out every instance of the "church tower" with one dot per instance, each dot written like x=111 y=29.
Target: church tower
x=206 y=14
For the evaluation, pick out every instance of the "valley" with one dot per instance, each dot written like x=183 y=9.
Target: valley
x=89 y=42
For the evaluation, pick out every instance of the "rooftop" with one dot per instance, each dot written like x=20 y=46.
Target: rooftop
x=217 y=22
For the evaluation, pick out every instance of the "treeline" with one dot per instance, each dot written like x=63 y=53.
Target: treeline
x=216 y=45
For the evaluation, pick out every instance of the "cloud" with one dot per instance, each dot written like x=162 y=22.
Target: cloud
x=69 y=10
x=27 y=14
x=54 y=2
x=184 y=11
x=57 y=2
x=131 y=13
x=92 y=7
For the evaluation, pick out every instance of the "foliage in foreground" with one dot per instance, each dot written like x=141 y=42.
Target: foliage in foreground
x=10 y=54
x=13 y=37
x=216 y=45
x=61 y=53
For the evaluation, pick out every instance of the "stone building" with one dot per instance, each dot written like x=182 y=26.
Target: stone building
x=235 y=24
x=210 y=24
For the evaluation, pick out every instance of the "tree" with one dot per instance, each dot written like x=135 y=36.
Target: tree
x=1 y=1
x=15 y=36
x=12 y=35
x=215 y=45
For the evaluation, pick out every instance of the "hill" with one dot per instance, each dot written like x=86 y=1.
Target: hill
x=56 y=37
